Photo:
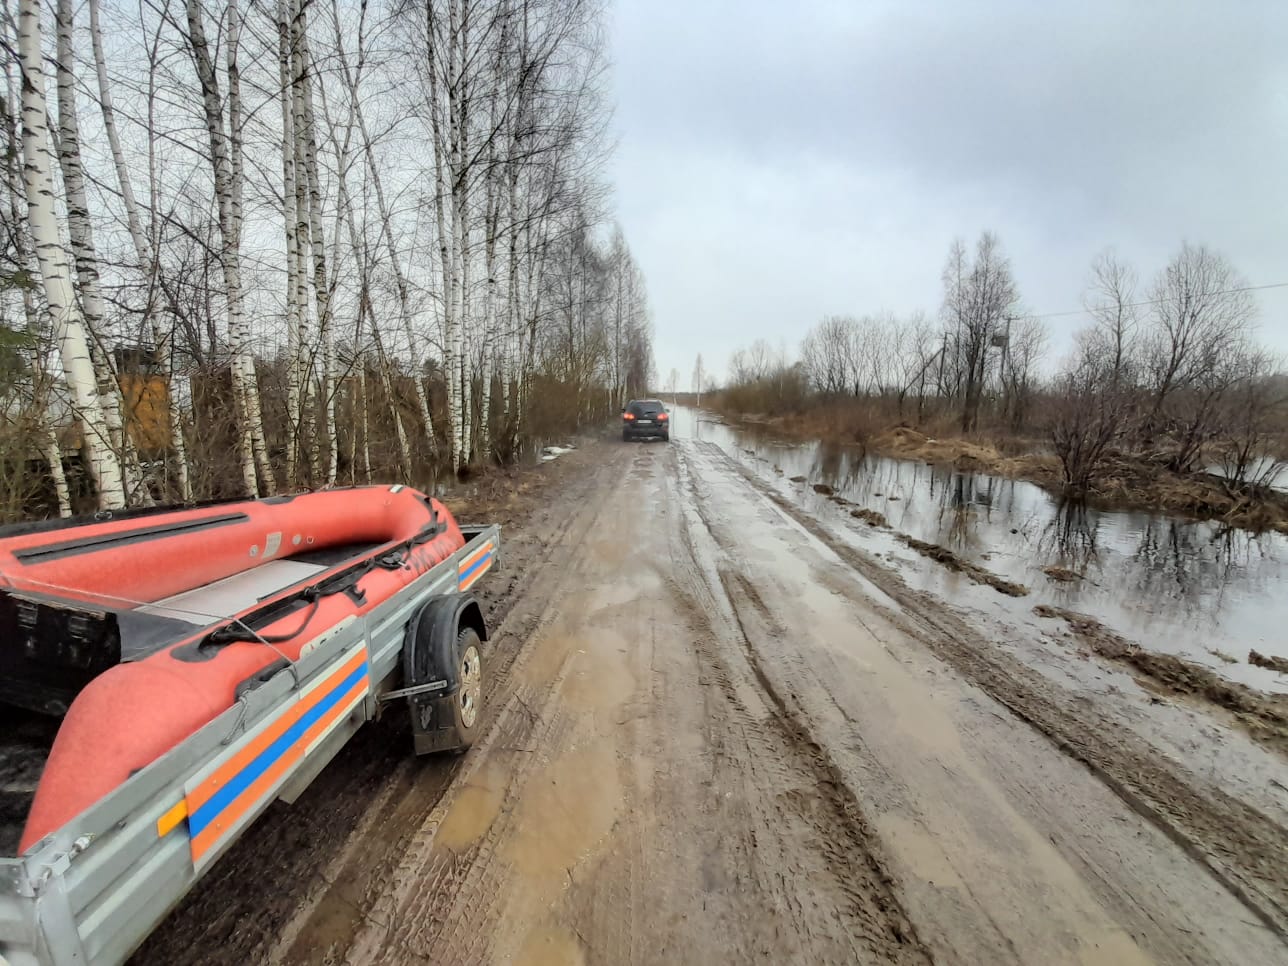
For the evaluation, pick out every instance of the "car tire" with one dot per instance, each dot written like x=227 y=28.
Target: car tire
x=626 y=437
x=666 y=437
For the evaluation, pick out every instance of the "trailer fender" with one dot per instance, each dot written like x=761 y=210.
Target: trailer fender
x=432 y=671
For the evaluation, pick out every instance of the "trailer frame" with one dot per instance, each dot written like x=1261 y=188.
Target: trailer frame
x=90 y=892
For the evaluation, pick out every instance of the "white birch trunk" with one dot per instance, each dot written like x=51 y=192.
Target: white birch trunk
x=364 y=419
x=243 y=353
x=458 y=101
x=321 y=287
x=310 y=454
x=84 y=257
x=229 y=255
x=353 y=79
x=294 y=364
x=65 y=314
x=491 y=219
x=54 y=457
x=447 y=261
x=42 y=381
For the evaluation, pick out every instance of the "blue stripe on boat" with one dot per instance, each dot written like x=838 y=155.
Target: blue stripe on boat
x=246 y=777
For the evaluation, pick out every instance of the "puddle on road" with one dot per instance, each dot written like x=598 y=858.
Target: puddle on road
x=475 y=807
x=600 y=677
x=551 y=946
x=565 y=811
x=1206 y=592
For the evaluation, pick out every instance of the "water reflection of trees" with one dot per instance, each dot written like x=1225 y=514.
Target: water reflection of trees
x=1189 y=562
x=1069 y=537
x=967 y=500
x=1173 y=569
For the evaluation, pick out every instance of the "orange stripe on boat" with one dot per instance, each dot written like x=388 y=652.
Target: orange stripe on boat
x=256 y=790
x=473 y=558
x=167 y=822
x=203 y=792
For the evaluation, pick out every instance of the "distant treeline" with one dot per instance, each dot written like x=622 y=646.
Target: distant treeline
x=1169 y=371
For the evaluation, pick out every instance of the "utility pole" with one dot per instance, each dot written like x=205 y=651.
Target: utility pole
x=1003 y=342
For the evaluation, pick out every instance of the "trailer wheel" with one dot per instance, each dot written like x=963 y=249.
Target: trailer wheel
x=468 y=706
x=442 y=663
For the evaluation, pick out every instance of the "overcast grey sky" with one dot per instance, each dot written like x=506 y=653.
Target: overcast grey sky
x=779 y=161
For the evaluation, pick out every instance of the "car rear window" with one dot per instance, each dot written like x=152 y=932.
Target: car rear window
x=642 y=406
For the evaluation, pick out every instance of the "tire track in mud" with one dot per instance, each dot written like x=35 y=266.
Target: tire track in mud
x=1242 y=848
x=846 y=838
x=300 y=883
x=780 y=874
x=515 y=616
x=447 y=878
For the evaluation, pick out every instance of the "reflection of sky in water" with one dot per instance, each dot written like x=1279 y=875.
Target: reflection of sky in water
x=1169 y=584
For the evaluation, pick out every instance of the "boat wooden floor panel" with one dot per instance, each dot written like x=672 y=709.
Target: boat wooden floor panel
x=224 y=598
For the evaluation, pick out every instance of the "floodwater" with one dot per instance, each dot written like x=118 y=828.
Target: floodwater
x=1198 y=589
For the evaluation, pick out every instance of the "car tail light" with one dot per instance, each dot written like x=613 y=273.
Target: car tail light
x=628 y=416
x=661 y=417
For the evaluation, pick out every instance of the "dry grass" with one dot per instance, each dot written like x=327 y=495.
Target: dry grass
x=870 y=517
x=1061 y=575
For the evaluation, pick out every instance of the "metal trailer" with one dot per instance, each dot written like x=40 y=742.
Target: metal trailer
x=91 y=892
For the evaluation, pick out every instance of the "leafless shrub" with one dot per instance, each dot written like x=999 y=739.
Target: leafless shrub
x=1089 y=416
x=1253 y=413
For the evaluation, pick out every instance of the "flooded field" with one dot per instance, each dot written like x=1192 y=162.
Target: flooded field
x=1197 y=589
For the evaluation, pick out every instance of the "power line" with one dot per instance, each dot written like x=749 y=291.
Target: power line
x=1134 y=305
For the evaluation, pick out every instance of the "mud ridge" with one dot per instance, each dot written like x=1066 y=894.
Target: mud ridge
x=941 y=555
x=1061 y=575
x=1264 y=716
x=1270 y=662
x=955 y=563
x=871 y=517
x=1240 y=846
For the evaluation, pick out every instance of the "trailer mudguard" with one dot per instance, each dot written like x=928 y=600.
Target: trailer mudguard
x=430 y=662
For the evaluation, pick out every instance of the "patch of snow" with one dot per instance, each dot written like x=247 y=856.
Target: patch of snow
x=554 y=452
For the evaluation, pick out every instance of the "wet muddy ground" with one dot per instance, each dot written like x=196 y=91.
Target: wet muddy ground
x=733 y=722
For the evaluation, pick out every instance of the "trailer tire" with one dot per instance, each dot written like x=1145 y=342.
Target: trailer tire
x=467 y=708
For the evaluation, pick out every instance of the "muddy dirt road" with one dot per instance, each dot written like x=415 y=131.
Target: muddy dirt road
x=722 y=731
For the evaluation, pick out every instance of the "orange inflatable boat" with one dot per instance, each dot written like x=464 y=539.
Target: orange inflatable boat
x=143 y=627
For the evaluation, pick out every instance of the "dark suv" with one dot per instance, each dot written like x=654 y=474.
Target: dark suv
x=645 y=417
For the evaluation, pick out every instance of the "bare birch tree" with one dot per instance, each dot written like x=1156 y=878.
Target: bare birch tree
x=68 y=323
x=225 y=160
x=1110 y=300
x=147 y=263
